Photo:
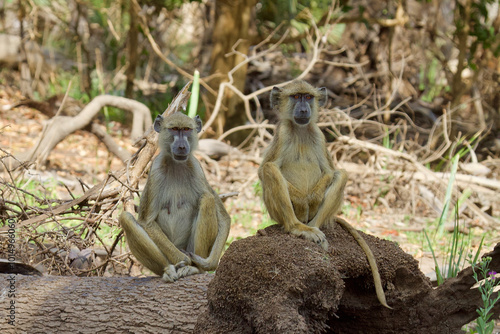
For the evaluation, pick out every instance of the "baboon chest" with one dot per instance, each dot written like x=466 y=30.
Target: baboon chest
x=301 y=168
x=179 y=208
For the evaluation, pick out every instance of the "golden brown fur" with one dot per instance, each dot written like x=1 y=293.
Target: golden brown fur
x=182 y=225
x=301 y=188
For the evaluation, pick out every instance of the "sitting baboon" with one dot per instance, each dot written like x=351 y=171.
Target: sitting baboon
x=182 y=225
x=301 y=188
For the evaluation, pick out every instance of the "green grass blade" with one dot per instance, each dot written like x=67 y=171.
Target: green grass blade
x=195 y=93
x=439 y=277
x=453 y=251
x=476 y=257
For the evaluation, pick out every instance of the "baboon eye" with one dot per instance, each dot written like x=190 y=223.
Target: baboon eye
x=308 y=97
x=187 y=129
x=175 y=129
x=296 y=96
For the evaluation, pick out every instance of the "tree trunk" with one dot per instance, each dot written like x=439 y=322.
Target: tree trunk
x=233 y=23
x=133 y=49
x=55 y=304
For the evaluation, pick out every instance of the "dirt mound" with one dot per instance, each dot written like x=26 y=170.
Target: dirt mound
x=277 y=283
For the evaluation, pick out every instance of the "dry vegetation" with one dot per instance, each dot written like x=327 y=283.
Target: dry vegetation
x=391 y=193
x=395 y=136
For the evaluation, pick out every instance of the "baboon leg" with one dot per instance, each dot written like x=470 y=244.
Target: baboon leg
x=332 y=201
x=206 y=226
x=280 y=207
x=204 y=233
x=211 y=233
x=143 y=248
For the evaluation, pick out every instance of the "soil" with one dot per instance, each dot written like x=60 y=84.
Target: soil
x=277 y=283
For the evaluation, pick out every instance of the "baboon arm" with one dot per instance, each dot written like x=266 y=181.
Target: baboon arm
x=276 y=196
x=299 y=203
x=271 y=153
x=211 y=233
x=329 y=158
x=293 y=191
x=320 y=188
x=315 y=197
x=148 y=214
x=172 y=253
x=332 y=201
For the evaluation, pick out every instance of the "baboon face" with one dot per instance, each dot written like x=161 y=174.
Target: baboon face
x=299 y=101
x=180 y=146
x=176 y=134
x=302 y=107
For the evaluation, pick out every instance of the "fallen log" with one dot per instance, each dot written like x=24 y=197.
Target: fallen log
x=55 y=304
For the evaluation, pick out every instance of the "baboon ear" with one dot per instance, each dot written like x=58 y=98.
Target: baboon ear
x=275 y=96
x=323 y=96
x=198 y=122
x=157 y=123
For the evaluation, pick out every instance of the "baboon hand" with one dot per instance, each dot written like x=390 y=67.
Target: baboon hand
x=180 y=265
x=187 y=271
x=185 y=261
x=310 y=233
x=196 y=259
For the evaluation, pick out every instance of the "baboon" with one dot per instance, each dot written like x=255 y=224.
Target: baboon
x=302 y=191
x=182 y=225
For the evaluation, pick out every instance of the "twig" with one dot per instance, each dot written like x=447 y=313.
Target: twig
x=246 y=127
x=229 y=84
x=355 y=142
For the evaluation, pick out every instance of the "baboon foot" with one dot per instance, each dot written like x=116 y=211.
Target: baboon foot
x=311 y=233
x=169 y=274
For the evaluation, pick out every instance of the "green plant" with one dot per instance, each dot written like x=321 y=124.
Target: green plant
x=266 y=221
x=464 y=146
x=257 y=188
x=472 y=18
x=447 y=198
x=486 y=285
x=38 y=193
x=431 y=80
x=474 y=32
x=457 y=252
x=449 y=190
x=348 y=211
x=195 y=93
x=386 y=141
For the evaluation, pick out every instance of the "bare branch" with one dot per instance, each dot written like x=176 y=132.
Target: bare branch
x=59 y=127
